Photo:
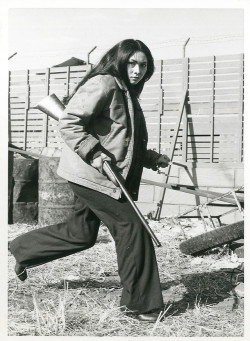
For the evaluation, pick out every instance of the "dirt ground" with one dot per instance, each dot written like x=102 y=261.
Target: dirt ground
x=79 y=294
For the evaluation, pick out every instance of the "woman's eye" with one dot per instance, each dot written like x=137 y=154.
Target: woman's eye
x=132 y=63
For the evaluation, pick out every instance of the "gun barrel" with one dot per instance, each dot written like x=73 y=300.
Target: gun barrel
x=113 y=175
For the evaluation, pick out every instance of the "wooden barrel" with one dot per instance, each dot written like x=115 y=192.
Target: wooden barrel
x=25 y=191
x=56 y=199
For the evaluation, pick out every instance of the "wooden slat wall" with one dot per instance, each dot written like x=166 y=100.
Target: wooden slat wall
x=26 y=89
x=211 y=130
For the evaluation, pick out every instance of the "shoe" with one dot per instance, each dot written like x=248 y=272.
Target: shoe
x=21 y=272
x=147 y=317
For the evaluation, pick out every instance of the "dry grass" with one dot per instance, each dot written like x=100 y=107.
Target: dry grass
x=79 y=295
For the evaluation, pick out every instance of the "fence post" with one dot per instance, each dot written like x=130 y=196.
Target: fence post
x=46 y=117
x=212 y=112
x=160 y=110
x=67 y=80
x=241 y=95
x=27 y=104
x=184 y=118
x=9 y=111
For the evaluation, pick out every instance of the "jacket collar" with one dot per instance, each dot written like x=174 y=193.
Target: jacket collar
x=121 y=84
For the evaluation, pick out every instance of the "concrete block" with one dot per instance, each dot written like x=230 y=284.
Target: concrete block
x=145 y=208
x=173 y=197
x=217 y=177
x=238 y=177
x=146 y=193
x=169 y=210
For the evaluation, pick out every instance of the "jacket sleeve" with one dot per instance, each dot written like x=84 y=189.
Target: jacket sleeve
x=151 y=158
x=86 y=103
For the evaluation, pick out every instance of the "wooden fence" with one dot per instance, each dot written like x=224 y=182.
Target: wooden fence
x=211 y=130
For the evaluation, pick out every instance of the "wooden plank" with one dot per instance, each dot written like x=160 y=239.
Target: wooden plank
x=218 y=105
x=201 y=78
x=38 y=91
x=170 y=76
x=196 y=149
x=17 y=78
x=152 y=81
x=57 y=87
x=17 y=72
x=229 y=77
x=58 y=83
x=227 y=64
x=17 y=105
x=150 y=101
x=172 y=61
x=176 y=81
x=35 y=126
x=15 y=88
x=228 y=70
x=78 y=74
x=226 y=91
x=201 y=66
x=232 y=119
x=17 y=83
x=17 y=100
x=34 y=144
x=228 y=57
x=37 y=78
x=60 y=69
x=171 y=67
x=199 y=73
x=169 y=93
x=37 y=71
x=174 y=87
x=18 y=134
x=150 y=94
x=78 y=68
x=59 y=75
x=200 y=59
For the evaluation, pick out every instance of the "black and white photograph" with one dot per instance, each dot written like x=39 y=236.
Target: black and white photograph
x=123 y=182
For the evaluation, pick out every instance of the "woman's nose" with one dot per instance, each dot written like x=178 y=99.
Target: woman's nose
x=137 y=69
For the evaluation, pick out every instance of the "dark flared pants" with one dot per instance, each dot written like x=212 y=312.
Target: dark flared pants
x=137 y=264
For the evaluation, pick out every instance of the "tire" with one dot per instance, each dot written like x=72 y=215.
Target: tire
x=219 y=236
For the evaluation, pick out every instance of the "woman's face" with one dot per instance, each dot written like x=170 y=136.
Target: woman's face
x=137 y=67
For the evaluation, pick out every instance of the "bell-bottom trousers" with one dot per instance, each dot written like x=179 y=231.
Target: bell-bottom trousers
x=137 y=266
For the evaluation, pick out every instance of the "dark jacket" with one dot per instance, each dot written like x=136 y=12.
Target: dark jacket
x=100 y=115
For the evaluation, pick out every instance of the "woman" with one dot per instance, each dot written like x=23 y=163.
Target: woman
x=103 y=121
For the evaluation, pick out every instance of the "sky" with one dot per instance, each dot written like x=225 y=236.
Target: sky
x=43 y=37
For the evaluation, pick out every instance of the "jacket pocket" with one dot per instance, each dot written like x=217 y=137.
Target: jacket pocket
x=118 y=114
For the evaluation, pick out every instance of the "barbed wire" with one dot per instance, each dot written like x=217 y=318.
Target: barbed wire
x=153 y=45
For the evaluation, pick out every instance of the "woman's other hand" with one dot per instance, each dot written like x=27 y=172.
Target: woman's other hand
x=163 y=161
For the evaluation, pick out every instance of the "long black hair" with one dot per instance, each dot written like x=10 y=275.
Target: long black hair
x=114 y=63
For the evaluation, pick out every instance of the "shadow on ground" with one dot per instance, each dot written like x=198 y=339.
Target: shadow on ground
x=188 y=292
x=207 y=288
